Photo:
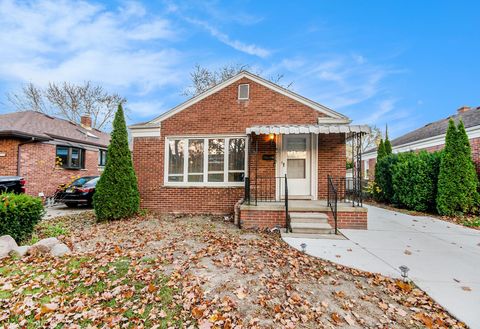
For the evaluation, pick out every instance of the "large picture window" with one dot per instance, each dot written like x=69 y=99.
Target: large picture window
x=205 y=161
x=70 y=157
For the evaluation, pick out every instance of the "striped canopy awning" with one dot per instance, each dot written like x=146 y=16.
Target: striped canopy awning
x=307 y=129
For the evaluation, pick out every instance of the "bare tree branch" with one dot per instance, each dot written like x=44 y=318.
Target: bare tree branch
x=69 y=101
x=204 y=79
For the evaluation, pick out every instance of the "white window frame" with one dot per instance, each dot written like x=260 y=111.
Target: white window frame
x=205 y=182
x=248 y=92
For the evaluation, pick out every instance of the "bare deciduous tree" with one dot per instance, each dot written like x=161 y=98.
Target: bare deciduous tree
x=204 y=79
x=368 y=141
x=69 y=101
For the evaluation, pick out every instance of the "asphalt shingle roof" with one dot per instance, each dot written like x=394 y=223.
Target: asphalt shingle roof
x=42 y=126
x=470 y=118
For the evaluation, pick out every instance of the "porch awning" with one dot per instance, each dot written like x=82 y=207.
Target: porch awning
x=306 y=129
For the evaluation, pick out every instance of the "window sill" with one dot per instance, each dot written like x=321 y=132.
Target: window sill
x=224 y=185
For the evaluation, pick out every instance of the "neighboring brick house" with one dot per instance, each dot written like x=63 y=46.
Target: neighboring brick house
x=49 y=151
x=431 y=137
x=239 y=139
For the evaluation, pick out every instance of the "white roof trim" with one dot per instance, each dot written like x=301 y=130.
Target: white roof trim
x=259 y=80
x=307 y=129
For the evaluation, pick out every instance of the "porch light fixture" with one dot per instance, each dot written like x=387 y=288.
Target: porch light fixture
x=404 y=270
x=271 y=138
x=304 y=247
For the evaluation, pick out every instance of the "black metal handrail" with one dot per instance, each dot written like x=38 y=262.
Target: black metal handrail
x=264 y=189
x=332 y=200
x=287 y=214
x=349 y=189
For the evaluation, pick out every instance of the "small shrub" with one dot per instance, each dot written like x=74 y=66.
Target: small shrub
x=19 y=213
x=472 y=222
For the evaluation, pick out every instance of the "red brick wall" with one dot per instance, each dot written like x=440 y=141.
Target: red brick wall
x=261 y=219
x=8 y=162
x=266 y=168
x=220 y=113
x=332 y=159
x=38 y=168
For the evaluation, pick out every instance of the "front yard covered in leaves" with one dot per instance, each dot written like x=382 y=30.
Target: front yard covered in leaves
x=197 y=271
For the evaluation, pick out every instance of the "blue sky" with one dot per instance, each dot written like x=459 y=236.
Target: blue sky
x=404 y=63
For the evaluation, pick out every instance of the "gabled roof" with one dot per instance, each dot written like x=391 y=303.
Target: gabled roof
x=32 y=124
x=470 y=118
x=255 y=78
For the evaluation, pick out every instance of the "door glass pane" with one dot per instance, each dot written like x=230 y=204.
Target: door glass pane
x=296 y=168
x=236 y=154
x=215 y=154
x=195 y=156
x=175 y=158
x=297 y=147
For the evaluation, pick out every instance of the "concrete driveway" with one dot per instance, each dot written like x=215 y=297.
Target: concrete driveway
x=62 y=210
x=444 y=258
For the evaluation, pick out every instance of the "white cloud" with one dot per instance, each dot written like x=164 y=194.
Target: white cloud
x=146 y=109
x=74 y=40
x=250 y=49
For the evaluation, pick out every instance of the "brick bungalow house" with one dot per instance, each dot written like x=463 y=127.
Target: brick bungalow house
x=49 y=151
x=251 y=147
x=431 y=138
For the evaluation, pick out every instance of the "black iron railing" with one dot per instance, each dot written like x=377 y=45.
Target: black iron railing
x=349 y=190
x=332 y=199
x=264 y=189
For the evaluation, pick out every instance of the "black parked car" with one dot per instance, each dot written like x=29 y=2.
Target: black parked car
x=80 y=192
x=15 y=184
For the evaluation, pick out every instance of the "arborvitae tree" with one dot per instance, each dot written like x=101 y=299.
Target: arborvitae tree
x=468 y=173
x=388 y=145
x=457 y=180
x=381 y=152
x=116 y=194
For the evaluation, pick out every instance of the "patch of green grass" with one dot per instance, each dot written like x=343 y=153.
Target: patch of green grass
x=472 y=222
x=47 y=229
x=5 y=294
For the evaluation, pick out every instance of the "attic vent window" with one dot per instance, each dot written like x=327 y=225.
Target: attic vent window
x=244 y=92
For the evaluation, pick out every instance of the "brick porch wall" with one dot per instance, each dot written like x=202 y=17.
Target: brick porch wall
x=263 y=219
x=332 y=160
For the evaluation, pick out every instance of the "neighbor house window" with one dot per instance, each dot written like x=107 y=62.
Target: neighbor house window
x=70 y=157
x=102 y=158
x=243 y=92
x=206 y=161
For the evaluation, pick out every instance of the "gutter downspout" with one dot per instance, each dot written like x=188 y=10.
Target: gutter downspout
x=18 y=153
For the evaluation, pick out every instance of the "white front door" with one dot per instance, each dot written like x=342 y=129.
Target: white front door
x=296 y=164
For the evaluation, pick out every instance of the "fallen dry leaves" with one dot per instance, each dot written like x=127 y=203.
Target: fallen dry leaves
x=197 y=271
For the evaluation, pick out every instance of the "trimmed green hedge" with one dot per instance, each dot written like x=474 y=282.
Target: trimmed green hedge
x=19 y=213
x=414 y=179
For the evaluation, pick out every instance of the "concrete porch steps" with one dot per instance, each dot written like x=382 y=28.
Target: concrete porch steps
x=313 y=236
x=310 y=223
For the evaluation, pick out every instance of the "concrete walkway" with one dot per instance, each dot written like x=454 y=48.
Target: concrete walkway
x=444 y=258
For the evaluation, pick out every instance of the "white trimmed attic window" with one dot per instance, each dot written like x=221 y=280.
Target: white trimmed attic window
x=244 y=91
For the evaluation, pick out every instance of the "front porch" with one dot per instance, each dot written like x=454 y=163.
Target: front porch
x=296 y=179
x=274 y=214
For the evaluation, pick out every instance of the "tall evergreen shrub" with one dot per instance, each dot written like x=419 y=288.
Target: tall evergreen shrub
x=381 y=152
x=457 y=181
x=388 y=145
x=383 y=177
x=116 y=194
